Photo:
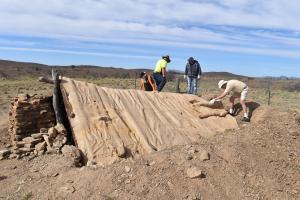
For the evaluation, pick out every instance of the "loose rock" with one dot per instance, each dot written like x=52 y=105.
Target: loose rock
x=25 y=150
x=13 y=156
x=37 y=135
x=59 y=141
x=20 y=144
x=52 y=132
x=127 y=169
x=43 y=130
x=4 y=154
x=31 y=140
x=194 y=172
x=46 y=138
x=65 y=191
x=41 y=147
x=189 y=157
x=55 y=174
x=29 y=145
x=60 y=129
x=121 y=151
x=204 y=156
x=73 y=153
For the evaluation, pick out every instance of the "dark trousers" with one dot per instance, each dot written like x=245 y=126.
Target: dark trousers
x=159 y=80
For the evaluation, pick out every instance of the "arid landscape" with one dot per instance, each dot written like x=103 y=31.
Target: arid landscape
x=256 y=160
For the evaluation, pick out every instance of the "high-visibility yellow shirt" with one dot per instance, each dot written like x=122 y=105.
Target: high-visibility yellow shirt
x=160 y=65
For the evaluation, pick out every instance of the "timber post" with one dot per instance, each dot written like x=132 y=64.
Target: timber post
x=56 y=97
x=177 y=85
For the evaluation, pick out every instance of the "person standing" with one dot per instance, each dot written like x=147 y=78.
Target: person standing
x=147 y=82
x=238 y=89
x=193 y=73
x=159 y=73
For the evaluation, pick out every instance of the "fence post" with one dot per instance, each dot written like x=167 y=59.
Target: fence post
x=177 y=85
x=269 y=92
x=135 y=80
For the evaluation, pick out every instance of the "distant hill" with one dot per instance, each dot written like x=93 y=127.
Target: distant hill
x=12 y=69
x=224 y=75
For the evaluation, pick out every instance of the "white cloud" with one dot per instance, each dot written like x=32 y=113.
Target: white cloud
x=86 y=53
x=225 y=25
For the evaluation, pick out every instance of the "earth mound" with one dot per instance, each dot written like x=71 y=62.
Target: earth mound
x=111 y=123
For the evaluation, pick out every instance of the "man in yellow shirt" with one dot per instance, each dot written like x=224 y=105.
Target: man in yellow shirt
x=159 y=73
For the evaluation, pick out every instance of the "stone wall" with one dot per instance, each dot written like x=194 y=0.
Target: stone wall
x=29 y=115
x=33 y=128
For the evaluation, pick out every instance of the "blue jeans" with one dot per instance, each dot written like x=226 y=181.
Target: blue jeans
x=192 y=84
x=159 y=80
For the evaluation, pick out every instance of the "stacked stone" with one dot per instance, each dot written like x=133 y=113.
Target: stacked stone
x=32 y=127
x=46 y=141
x=29 y=114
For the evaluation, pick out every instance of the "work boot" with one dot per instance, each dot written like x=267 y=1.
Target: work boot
x=245 y=119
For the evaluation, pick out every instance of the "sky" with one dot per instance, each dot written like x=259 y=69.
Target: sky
x=247 y=37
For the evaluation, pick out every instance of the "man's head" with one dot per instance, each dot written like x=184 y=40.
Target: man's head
x=166 y=58
x=142 y=74
x=222 y=84
x=191 y=60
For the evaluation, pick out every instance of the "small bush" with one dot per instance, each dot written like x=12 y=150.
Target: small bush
x=294 y=87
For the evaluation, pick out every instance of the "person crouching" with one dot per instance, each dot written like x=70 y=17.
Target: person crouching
x=147 y=82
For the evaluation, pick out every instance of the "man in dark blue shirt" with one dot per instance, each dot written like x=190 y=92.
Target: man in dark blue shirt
x=193 y=73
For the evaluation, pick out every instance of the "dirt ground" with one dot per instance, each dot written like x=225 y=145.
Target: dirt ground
x=260 y=160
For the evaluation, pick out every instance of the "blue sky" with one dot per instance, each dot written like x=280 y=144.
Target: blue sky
x=249 y=37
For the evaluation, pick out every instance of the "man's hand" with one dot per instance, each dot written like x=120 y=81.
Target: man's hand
x=212 y=102
x=199 y=77
x=184 y=76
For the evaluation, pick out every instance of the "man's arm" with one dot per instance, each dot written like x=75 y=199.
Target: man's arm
x=163 y=72
x=142 y=84
x=200 y=70
x=222 y=95
x=212 y=102
x=186 y=69
x=150 y=79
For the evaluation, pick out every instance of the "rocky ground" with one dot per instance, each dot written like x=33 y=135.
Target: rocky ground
x=260 y=160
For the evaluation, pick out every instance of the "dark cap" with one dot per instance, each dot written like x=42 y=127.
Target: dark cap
x=191 y=60
x=166 y=58
x=142 y=74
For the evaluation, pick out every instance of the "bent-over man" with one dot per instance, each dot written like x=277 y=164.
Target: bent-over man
x=147 y=82
x=237 y=89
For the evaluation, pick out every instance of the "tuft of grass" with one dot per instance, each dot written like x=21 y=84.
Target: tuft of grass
x=28 y=196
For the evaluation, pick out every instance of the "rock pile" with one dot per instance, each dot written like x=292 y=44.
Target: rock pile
x=30 y=114
x=47 y=140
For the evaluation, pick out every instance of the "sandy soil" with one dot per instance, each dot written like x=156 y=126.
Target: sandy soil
x=260 y=160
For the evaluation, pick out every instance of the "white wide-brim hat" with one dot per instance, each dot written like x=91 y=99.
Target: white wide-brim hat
x=221 y=83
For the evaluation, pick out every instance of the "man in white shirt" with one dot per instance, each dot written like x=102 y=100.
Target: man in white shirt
x=237 y=89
